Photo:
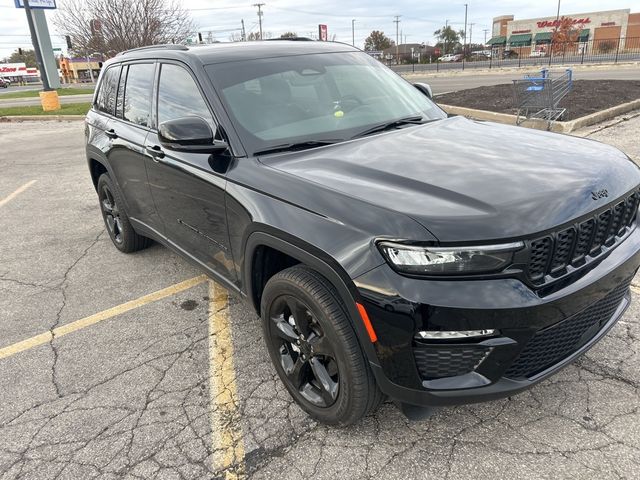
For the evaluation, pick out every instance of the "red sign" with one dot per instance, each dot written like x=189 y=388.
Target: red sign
x=521 y=31
x=556 y=23
x=322 y=33
x=12 y=69
x=607 y=24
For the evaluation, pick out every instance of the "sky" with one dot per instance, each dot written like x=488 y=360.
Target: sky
x=418 y=19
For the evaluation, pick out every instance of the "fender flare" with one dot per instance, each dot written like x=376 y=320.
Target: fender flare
x=313 y=258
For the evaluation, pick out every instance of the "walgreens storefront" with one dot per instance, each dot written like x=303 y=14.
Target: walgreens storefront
x=591 y=32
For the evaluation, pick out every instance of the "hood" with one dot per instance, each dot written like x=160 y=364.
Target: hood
x=466 y=180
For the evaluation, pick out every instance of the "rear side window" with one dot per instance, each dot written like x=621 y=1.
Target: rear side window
x=179 y=96
x=107 y=93
x=120 y=96
x=137 y=93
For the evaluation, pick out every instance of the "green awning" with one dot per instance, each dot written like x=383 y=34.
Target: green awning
x=584 y=35
x=544 y=36
x=497 y=41
x=520 y=40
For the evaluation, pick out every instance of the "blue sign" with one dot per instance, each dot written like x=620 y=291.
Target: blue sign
x=37 y=4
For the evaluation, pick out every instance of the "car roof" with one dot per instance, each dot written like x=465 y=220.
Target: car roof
x=235 y=51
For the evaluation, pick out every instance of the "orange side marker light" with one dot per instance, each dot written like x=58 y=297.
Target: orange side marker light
x=367 y=323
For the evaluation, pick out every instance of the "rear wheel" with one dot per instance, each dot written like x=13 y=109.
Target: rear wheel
x=122 y=234
x=314 y=348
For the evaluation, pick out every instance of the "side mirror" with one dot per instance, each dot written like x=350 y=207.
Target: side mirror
x=424 y=89
x=189 y=134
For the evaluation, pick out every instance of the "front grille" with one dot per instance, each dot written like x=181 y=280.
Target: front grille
x=551 y=345
x=553 y=253
x=448 y=360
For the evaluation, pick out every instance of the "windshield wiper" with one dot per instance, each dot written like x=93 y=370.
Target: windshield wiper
x=290 y=147
x=414 y=120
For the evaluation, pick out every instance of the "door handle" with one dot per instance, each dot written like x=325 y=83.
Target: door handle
x=155 y=151
x=111 y=133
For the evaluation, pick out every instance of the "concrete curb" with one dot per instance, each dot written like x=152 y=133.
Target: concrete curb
x=40 y=118
x=559 y=127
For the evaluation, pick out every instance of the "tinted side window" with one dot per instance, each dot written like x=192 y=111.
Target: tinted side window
x=120 y=96
x=108 y=87
x=178 y=95
x=137 y=93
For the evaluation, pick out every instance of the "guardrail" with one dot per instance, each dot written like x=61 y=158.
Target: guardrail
x=614 y=50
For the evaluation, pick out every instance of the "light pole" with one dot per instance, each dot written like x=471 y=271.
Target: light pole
x=353 y=32
x=464 y=45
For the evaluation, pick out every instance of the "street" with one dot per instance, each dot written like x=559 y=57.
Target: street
x=137 y=366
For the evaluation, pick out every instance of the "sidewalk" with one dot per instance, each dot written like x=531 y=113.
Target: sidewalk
x=621 y=132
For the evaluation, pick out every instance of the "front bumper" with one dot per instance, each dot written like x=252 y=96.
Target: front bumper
x=537 y=335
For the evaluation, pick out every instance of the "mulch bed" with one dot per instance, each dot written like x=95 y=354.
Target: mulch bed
x=587 y=96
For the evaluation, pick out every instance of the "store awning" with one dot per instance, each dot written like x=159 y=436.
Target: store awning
x=520 y=40
x=543 y=36
x=584 y=35
x=497 y=41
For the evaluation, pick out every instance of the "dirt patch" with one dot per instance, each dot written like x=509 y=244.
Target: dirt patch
x=587 y=96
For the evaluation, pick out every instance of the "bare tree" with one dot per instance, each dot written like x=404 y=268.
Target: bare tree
x=117 y=25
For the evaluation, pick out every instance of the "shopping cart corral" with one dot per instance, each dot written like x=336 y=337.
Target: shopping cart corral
x=540 y=96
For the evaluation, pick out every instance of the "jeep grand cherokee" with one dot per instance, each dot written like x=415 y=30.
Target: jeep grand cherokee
x=389 y=249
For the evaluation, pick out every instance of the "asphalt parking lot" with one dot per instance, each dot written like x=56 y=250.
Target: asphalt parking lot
x=136 y=366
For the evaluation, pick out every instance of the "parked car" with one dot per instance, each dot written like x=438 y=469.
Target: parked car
x=478 y=56
x=388 y=249
x=537 y=53
x=451 y=57
x=509 y=54
x=4 y=83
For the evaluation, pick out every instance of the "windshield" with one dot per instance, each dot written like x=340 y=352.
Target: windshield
x=325 y=97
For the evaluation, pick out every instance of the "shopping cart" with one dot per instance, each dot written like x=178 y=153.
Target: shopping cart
x=540 y=96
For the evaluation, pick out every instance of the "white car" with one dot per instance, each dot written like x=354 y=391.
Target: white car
x=450 y=57
x=537 y=53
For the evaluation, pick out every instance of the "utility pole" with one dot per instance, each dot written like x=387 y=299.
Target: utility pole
x=259 y=5
x=397 y=22
x=353 y=32
x=244 y=33
x=471 y=33
x=464 y=45
x=485 y=35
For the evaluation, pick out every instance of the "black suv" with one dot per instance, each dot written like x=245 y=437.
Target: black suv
x=389 y=249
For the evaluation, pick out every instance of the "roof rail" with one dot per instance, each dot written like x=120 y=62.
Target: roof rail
x=291 y=39
x=168 y=46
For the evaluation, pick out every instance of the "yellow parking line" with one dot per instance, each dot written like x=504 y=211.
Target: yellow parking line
x=225 y=425
x=17 y=192
x=635 y=289
x=98 y=317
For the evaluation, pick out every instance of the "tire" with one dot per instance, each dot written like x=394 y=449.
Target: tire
x=116 y=221
x=300 y=305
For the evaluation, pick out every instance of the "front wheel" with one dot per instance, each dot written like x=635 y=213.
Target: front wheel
x=314 y=348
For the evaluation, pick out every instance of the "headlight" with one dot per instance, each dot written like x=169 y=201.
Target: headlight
x=448 y=260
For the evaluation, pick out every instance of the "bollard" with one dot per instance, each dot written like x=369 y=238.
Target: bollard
x=49 y=100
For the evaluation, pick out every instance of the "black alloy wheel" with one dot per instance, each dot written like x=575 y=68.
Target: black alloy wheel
x=314 y=347
x=111 y=214
x=306 y=355
x=121 y=232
